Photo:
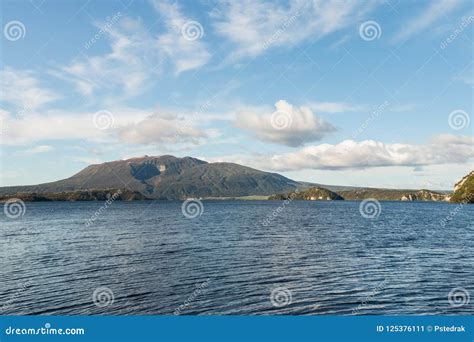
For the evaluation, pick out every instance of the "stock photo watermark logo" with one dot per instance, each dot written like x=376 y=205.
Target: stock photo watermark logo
x=466 y=21
x=455 y=211
x=103 y=208
x=280 y=297
x=280 y=31
x=14 y=208
x=458 y=119
x=14 y=30
x=192 y=30
x=9 y=303
x=459 y=297
x=266 y=222
x=199 y=289
x=370 y=208
x=370 y=30
x=110 y=21
x=103 y=119
x=46 y=330
x=281 y=120
x=103 y=297
x=192 y=208
x=370 y=297
x=374 y=115
x=189 y=121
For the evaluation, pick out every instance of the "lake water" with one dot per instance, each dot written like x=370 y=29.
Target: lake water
x=320 y=258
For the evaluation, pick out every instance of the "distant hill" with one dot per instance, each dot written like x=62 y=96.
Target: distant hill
x=464 y=189
x=80 y=195
x=393 y=195
x=311 y=194
x=165 y=177
x=171 y=178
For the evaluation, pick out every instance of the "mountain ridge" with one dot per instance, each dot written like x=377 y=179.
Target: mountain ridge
x=167 y=177
x=170 y=178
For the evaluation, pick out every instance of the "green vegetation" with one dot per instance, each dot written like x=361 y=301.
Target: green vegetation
x=312 y=194
x=171 y=178
x=464 y=190
x=91 y=195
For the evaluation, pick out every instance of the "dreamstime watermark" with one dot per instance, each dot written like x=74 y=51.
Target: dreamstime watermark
x=192 y=208
x=281 y=120
x=370 y=30
x=199 y=289
x=466 y=21
x=14 y=30
x=287 y=23
x=458 y=297
x=280 y=297
x=103 y=208
x=14 y=208
x=189 y=121
x=46 y=330
x=28 y=106
x=110 y=21
x=103 y=296
x=9 y=303
x=192 y=30
x=266 y=222
x=103 y=119
x=369 y=297
x=375 y=114
x=370 y=208
x=443 y=222
x=458 y=119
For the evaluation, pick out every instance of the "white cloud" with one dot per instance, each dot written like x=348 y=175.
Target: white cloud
x=157 y=129
x=39 y=149
x=253 y=26
x=130 y=63
x=50 y=125
x=432 y=13
x=350 y=154
x=87 y=160
x=23 y=90
x=125 y=125
x=334 y=107
x=186 y=54
x=287 y=125
x=137 y=56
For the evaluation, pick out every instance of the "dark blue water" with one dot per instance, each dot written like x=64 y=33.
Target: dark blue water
x=311 y=258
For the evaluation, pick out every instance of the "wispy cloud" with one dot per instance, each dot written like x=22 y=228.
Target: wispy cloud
x=434 y=11
x=137 y=56
x=255 y=26
x=132 y=61
x=39 y=149
x=22 y=90
x=335 y=107
x=186 y=52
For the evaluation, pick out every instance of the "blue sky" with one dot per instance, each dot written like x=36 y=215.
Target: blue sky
x=370 y=93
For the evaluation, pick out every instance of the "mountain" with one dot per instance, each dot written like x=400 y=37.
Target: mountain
x=165 y=177
x=171 y=178
x=311 y=194
x=464 y=189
